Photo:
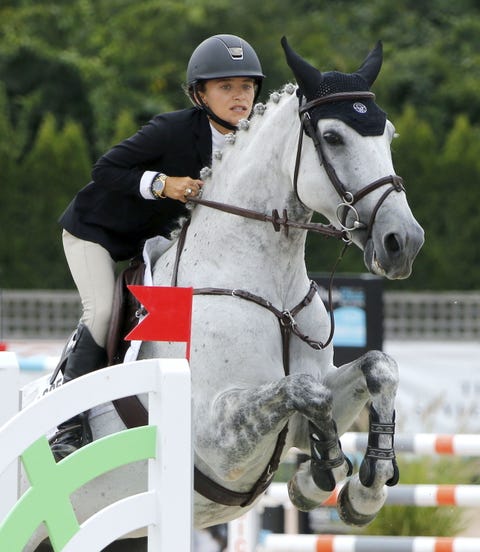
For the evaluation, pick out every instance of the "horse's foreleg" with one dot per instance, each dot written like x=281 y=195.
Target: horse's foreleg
x=372 y=377
x=317 y=478
x=243 y=424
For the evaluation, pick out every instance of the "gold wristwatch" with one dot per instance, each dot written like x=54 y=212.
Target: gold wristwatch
x=158 y=186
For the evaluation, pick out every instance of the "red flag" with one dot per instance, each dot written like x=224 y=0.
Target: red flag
x=169 y=315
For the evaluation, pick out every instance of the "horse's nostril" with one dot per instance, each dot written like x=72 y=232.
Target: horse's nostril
x=392 y=243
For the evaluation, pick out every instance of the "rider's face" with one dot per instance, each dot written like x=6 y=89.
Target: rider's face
x=231 y=99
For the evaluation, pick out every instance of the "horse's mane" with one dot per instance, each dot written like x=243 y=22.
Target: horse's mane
x=233 y=140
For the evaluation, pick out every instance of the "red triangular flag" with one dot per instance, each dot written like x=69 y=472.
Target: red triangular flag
x=169 y=315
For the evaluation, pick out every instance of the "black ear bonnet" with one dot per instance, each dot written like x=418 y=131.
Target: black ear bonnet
x=362 y=114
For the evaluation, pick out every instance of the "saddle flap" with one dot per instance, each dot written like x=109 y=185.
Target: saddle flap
x=124 y=310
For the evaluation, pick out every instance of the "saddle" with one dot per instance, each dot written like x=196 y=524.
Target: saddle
x=124 y=318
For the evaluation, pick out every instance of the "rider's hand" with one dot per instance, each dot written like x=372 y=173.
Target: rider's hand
x=181 y=187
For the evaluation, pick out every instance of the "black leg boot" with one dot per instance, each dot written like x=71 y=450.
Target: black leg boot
x=84 y=357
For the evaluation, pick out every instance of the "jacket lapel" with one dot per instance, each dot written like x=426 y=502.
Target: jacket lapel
x=203 y=138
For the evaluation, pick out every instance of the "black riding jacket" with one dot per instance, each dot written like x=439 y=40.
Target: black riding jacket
x=110 y=209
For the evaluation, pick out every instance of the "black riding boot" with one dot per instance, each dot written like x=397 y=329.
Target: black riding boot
x=84 y=356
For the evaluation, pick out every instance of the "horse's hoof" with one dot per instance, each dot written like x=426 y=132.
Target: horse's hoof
x=346 y=512
x=300 y=502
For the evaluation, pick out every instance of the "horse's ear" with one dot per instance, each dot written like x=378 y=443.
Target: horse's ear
x=372 y=64
x=307 y=76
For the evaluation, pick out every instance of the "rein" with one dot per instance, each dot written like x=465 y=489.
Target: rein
x=277 y=221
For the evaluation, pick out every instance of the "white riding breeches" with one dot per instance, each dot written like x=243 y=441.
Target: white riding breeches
x=93 y=271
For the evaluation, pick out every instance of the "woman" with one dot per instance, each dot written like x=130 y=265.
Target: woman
x=139 y=190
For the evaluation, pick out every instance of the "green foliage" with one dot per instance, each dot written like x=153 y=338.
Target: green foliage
x=38 y=83
x=57 y=165
x=125 y=126
x=11 y=140
x=90 y=72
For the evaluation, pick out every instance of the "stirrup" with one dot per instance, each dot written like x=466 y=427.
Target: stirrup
x=71 y=435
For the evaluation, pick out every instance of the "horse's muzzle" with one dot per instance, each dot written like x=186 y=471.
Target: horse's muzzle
x=392 y=255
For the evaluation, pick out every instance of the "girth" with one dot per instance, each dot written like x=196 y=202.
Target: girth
x=210 y=489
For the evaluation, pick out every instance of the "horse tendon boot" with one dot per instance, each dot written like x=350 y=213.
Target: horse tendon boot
x=321 y=464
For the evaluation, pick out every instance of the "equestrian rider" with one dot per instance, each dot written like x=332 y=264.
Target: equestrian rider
x=139 y=189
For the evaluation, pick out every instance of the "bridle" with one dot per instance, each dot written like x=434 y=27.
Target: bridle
x=348 y=199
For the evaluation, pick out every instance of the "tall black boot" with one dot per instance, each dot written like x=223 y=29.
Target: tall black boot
x=84 y=356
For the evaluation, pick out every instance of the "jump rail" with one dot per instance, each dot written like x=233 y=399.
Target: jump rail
x=411 y=495
x=165 y=508
x=243 y=532
x=343 y=543
x=467 y=496
x=464 y=444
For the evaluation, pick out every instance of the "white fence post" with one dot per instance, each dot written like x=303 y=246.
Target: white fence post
x=171 y=472
x=9 y=405
x=166 y=507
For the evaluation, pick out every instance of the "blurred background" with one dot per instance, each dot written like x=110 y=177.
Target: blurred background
x=78 y=76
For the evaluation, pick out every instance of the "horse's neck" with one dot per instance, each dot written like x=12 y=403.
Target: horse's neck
x=256 y=170
x=256 y=174
x=227 y=250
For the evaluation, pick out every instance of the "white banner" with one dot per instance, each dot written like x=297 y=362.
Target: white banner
x=439 y=386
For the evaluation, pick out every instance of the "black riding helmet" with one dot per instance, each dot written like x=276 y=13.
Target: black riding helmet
x=222 y=56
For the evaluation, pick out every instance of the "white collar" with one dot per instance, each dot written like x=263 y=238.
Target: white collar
x=218 y=139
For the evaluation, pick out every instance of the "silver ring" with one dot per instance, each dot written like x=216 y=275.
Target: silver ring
x=356 y=224
x=188 y=191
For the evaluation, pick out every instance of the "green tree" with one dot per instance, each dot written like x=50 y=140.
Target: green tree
x=11 y=144
x=415 y=153
x=459 y=194
x=125 y=126
x=55 y=168
x=39 y=82
x=90 y=60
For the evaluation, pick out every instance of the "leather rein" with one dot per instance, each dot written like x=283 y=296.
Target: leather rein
x=205 y=486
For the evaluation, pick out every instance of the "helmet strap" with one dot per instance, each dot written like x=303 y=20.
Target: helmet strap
x=210 y=113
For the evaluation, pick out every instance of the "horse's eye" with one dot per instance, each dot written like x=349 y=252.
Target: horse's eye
x=333 y=138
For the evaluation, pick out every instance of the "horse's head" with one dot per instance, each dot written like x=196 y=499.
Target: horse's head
x=349 y=151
